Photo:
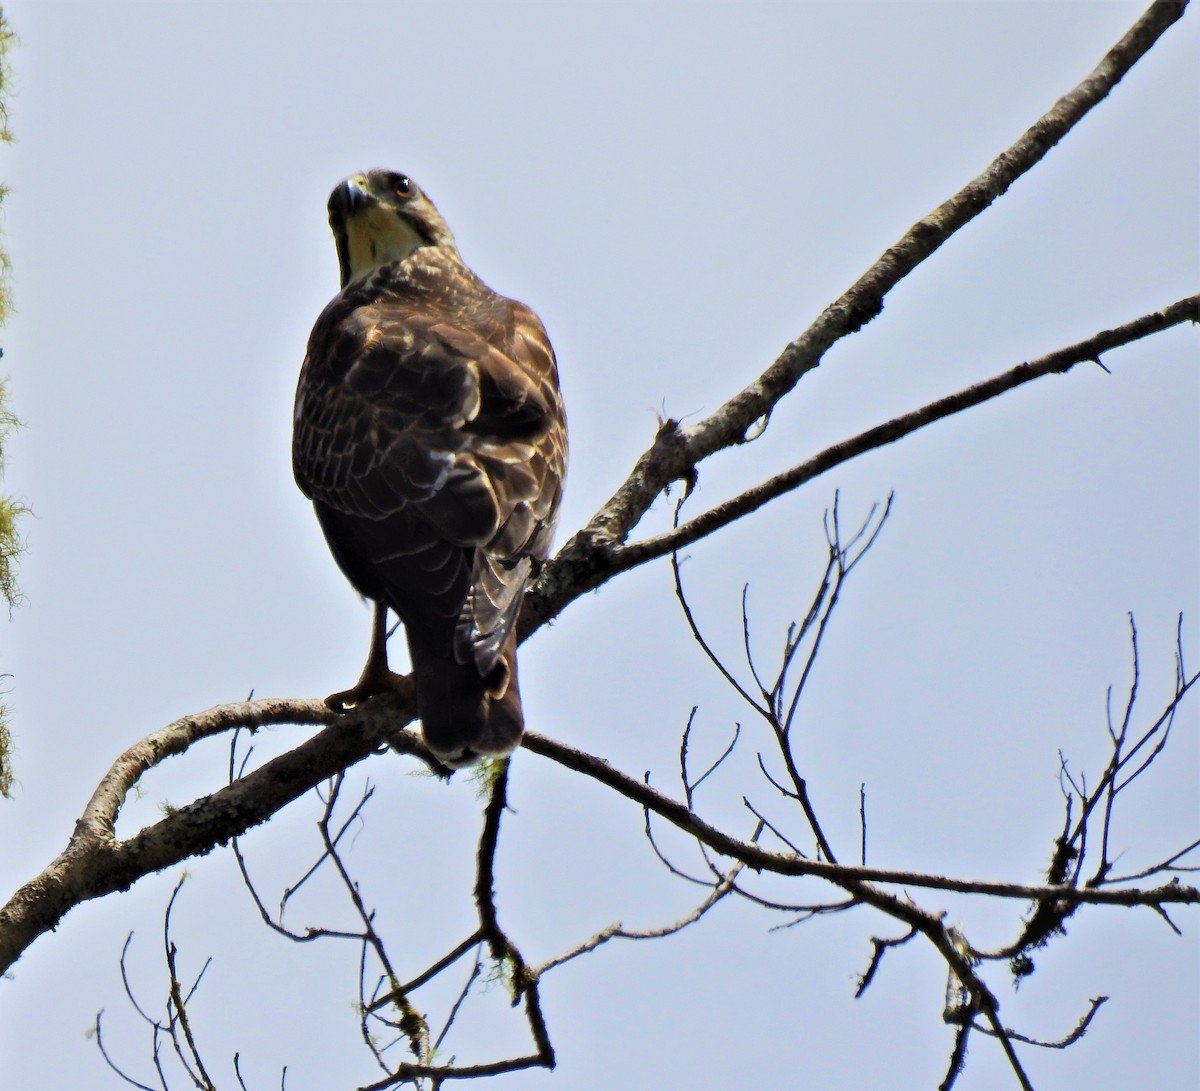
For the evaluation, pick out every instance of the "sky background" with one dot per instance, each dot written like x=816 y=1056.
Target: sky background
x=678 y=190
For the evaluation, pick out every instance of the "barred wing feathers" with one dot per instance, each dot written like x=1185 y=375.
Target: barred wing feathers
x=429 y=433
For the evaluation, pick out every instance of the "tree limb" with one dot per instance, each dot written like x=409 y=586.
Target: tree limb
x=587 y=559
x=1054 y=363
x=95 y=863
x=844 y=875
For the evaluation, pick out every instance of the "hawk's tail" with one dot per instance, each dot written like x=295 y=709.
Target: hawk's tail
x=465 y=716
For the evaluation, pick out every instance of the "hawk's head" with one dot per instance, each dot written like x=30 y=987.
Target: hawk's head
x=380 y=217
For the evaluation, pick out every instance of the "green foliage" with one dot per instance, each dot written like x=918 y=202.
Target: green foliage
x=10 y=513
x=7 y=38
x=5 y=752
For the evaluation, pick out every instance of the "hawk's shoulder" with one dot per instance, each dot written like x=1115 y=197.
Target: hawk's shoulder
x=424 y=387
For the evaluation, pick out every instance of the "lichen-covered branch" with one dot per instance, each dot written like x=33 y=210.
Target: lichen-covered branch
x=588 y=558
x=95 y=862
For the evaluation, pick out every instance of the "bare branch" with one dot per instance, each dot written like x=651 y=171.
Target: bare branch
x=1170 y=864
x=618 y=931
x=766 y=824
x=1060 y=1043
x=698 y=636
x=588 y=559
x=842 y=558
x=762 y=686
x=958 y=1057
x=471 y=942
x=689 y=785
x=1006 y=1043
x=1055 y=363
x=862 y=824
x=456 y=1007
x=761 y=859
x=663 y=858
x=113 y=1066
x=879 y=948
x=177 y=1016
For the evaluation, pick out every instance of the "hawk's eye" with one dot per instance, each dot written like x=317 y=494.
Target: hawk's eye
x=401 y=185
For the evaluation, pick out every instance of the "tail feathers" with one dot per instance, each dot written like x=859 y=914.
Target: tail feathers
x=465 y=716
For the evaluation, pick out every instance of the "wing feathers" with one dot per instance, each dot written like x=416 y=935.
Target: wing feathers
x=430 y=435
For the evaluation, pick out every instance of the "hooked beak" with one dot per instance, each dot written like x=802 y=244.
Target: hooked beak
x=350 y=196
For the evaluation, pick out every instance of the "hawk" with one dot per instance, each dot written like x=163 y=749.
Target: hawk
x=429 y=434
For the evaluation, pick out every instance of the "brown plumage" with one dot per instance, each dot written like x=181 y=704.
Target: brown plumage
x=430 y=437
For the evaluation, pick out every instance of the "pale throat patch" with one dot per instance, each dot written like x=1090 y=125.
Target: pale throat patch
x=376 y=238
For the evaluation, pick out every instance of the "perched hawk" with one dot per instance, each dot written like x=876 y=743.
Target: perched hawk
x=430 y=437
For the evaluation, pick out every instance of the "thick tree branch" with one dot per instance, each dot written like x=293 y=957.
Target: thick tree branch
x=95 y=863
x=587 y=559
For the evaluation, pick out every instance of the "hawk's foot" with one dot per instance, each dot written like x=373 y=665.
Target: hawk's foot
x=374 y=680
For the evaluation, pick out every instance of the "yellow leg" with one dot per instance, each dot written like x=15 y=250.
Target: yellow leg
x=376 y=677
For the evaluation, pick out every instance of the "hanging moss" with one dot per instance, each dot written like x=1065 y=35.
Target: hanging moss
x=10 y=510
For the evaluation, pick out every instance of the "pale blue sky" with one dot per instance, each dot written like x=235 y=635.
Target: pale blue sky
x=677 y=189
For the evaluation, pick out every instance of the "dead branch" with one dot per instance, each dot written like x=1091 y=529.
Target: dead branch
x=588 y=559
x=761 y=859
x=969 y=1003
x=618 y=931
x=780 y=702
x=522 y=980
x=176 y=1028
x=1055 y=363
x=878 y=948
x=1072 y=850
x=1067 y=1040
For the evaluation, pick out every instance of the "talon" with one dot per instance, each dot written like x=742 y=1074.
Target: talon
x=376 y=676
x=366 y=688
